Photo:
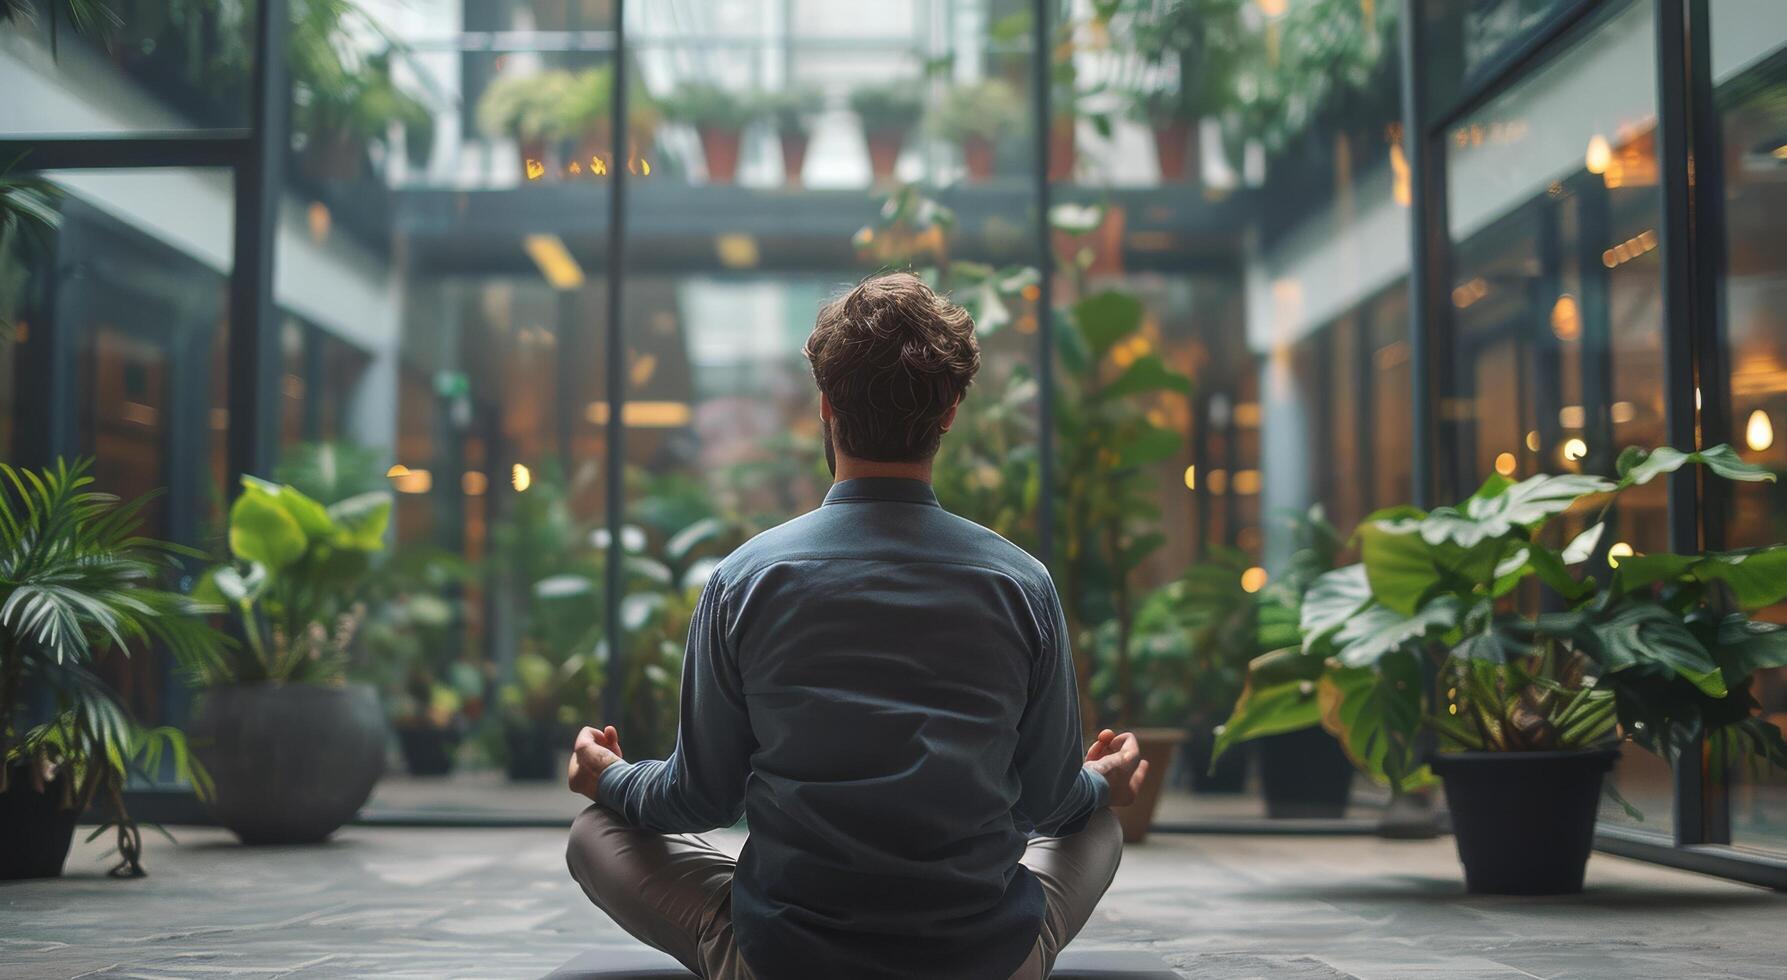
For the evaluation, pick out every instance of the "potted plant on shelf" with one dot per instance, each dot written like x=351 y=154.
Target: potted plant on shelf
x=585 y=115
x=76 y=581
x=1192 y=49
x=1528 y=710
x=888 y=113
x=718 y=117
x=977 y=117
x=791 y=112
x=294 y=749
x=529 y=109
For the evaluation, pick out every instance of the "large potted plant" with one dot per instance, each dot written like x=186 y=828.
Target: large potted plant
x=1109 y=508
x=432 y=693
x=791 y=112
x=294 y=749
x=977 y=117
x=77 y=582
x=584 y=114
x=888 y=113
x=1528 y=709
x=718 y=117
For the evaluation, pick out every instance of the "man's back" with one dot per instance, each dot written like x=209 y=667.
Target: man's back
x=886 y=690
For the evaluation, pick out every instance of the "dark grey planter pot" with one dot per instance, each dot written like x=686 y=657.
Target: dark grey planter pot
x=292 y=762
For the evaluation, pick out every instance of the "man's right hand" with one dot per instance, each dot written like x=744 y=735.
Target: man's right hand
x=1118 y=759
x=595 y=750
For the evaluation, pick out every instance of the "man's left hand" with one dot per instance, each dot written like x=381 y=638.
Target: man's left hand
x=595 y=750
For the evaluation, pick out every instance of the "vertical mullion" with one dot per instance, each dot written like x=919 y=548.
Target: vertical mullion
x=1700 y=814
x=254 y=368
x=1707 y=206
x=1040 y=54
x=614 y=475
x=1429 y=252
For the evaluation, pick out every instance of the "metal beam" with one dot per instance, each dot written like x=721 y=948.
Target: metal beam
x=1429 y=255
x=1514 y=63
x=210 y=148
x=616 y=379
x=1041 y=54
x=253 y=340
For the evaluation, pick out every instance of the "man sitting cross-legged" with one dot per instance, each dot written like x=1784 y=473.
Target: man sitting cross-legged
x=886 y=693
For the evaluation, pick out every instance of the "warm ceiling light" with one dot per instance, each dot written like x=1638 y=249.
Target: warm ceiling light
x=1191 y=477
x=474 y=483
x=1247 y=482
x=1504 y=464
x=643 y=414
x=1599 y=154
x=555 y=261
x=1759 y=434
x=1622 y=412
x=1619 y=550
x=397 y=470
x=1218 y=481
x=520 y=477
x=1254 y=579
x=1566 y=318
x=413 y=481
x=1532 y=440
x=319 y=219
x=1571 y=416
x=1574 y=449
x=736 y=251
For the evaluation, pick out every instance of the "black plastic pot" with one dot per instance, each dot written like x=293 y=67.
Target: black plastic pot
x=1230 y=775
x=427 y=751
x=38 y=828
x=532 y=750
x=292 y=762
x=1524 y=821
x=1305 y=775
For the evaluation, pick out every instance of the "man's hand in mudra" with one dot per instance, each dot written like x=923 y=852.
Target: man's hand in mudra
x=595 y=750
x=1118 y=759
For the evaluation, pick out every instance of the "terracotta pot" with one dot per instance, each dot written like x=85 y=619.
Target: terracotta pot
x=1105 y=241
x=1175 y=145
x=977 y=154
x=719 y=145
x=292 y=763
x=794 y=156
x=1061 y=149
x=884 y=152
x=1159 y=746
x=39 y=829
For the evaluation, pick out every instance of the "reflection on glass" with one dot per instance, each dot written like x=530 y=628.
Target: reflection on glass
x=1749 y=48
x=1556 y=346
x=1465 y=38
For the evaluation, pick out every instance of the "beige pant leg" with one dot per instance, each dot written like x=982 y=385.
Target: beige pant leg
x=672 y=892
x=1074 y=871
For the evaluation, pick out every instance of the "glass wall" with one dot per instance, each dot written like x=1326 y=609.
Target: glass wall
x=1749 y=68
x=1225 y=358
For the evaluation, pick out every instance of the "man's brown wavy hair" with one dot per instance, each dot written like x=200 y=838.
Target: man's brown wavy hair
x=893 y=357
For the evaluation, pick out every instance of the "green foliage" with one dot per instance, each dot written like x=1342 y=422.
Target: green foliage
x=295 y=583
x=990 y=109
x=28 y=212
x=532 y=107
x=330 y=472
x=1660 y=645
x=410 y=643
x=1192 y=49
x=891 y=107
x=77 y=581
x=707 y=104
x=791 y=110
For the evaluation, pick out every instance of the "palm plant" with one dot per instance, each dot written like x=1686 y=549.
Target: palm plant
x=27 y=209
x=77 y=580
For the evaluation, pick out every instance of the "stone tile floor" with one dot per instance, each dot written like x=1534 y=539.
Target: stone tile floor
x=401 y=903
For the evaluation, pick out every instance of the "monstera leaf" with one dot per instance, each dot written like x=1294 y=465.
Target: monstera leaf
x=1639 y=466
x=1376 y=714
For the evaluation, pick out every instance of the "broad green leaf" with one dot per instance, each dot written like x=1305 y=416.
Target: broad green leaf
x=1105 y=318
x=263 y=530
x=1376 y=714
x=1332 y=599
x=1379 y=630
x=1746 y=645
x=1269 y=710
x=1583 y=545
x=689 y=538
x=1639 y=466
x=1757 y=576
x=310 y=515
x=1403 y=567
x=1145 y=375
x=1531 y=501
x=1646 y=633
x=360 y=521
x=1147 y=445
